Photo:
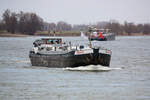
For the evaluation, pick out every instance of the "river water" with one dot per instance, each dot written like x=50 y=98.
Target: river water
x=129 y=81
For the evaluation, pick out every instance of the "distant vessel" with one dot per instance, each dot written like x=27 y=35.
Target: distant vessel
x=51 y=52
x=101 y=35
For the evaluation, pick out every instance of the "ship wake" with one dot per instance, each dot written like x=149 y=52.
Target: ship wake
x=92 y=68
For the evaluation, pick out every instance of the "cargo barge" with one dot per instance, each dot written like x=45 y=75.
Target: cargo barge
x=51 y=52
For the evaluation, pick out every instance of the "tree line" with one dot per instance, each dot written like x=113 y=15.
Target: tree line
x=25 y=23
x=30 y=23
x=127 y=28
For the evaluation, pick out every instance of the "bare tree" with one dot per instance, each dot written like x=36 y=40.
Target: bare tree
x=6 y=19
x=52 y=27
x=13 y=22
x=29 y=23
x=115 y=27
x=146 y=28
x=139 y=28
x=2 y=26
x=10 y=21
x=63 y=26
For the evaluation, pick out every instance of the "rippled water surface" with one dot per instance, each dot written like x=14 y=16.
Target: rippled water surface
x=21 y=81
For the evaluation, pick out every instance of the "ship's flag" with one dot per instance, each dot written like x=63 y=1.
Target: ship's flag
x=100 y=35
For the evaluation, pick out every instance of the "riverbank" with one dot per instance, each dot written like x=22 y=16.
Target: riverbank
x=13 y=35
x=68 y=33
x=64 y=34
x=60 y=33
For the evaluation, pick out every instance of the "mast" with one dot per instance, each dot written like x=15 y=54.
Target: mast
x=90 y=43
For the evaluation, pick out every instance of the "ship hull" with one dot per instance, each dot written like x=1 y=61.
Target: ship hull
x=52 y=60
x=106 y=37
x=69 y=59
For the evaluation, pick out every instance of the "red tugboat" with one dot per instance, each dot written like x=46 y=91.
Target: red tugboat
x=101 y=34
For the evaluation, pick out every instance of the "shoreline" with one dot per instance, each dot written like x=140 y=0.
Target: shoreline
x=13 y=35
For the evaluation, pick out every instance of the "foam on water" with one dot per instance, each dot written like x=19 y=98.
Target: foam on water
x=22 y=61
x=91 y=68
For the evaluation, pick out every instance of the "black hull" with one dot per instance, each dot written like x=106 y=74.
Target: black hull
x=52 y=60
x=98 y=39
x=69 y=59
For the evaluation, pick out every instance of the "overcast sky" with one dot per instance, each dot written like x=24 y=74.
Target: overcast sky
x=83 y=11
